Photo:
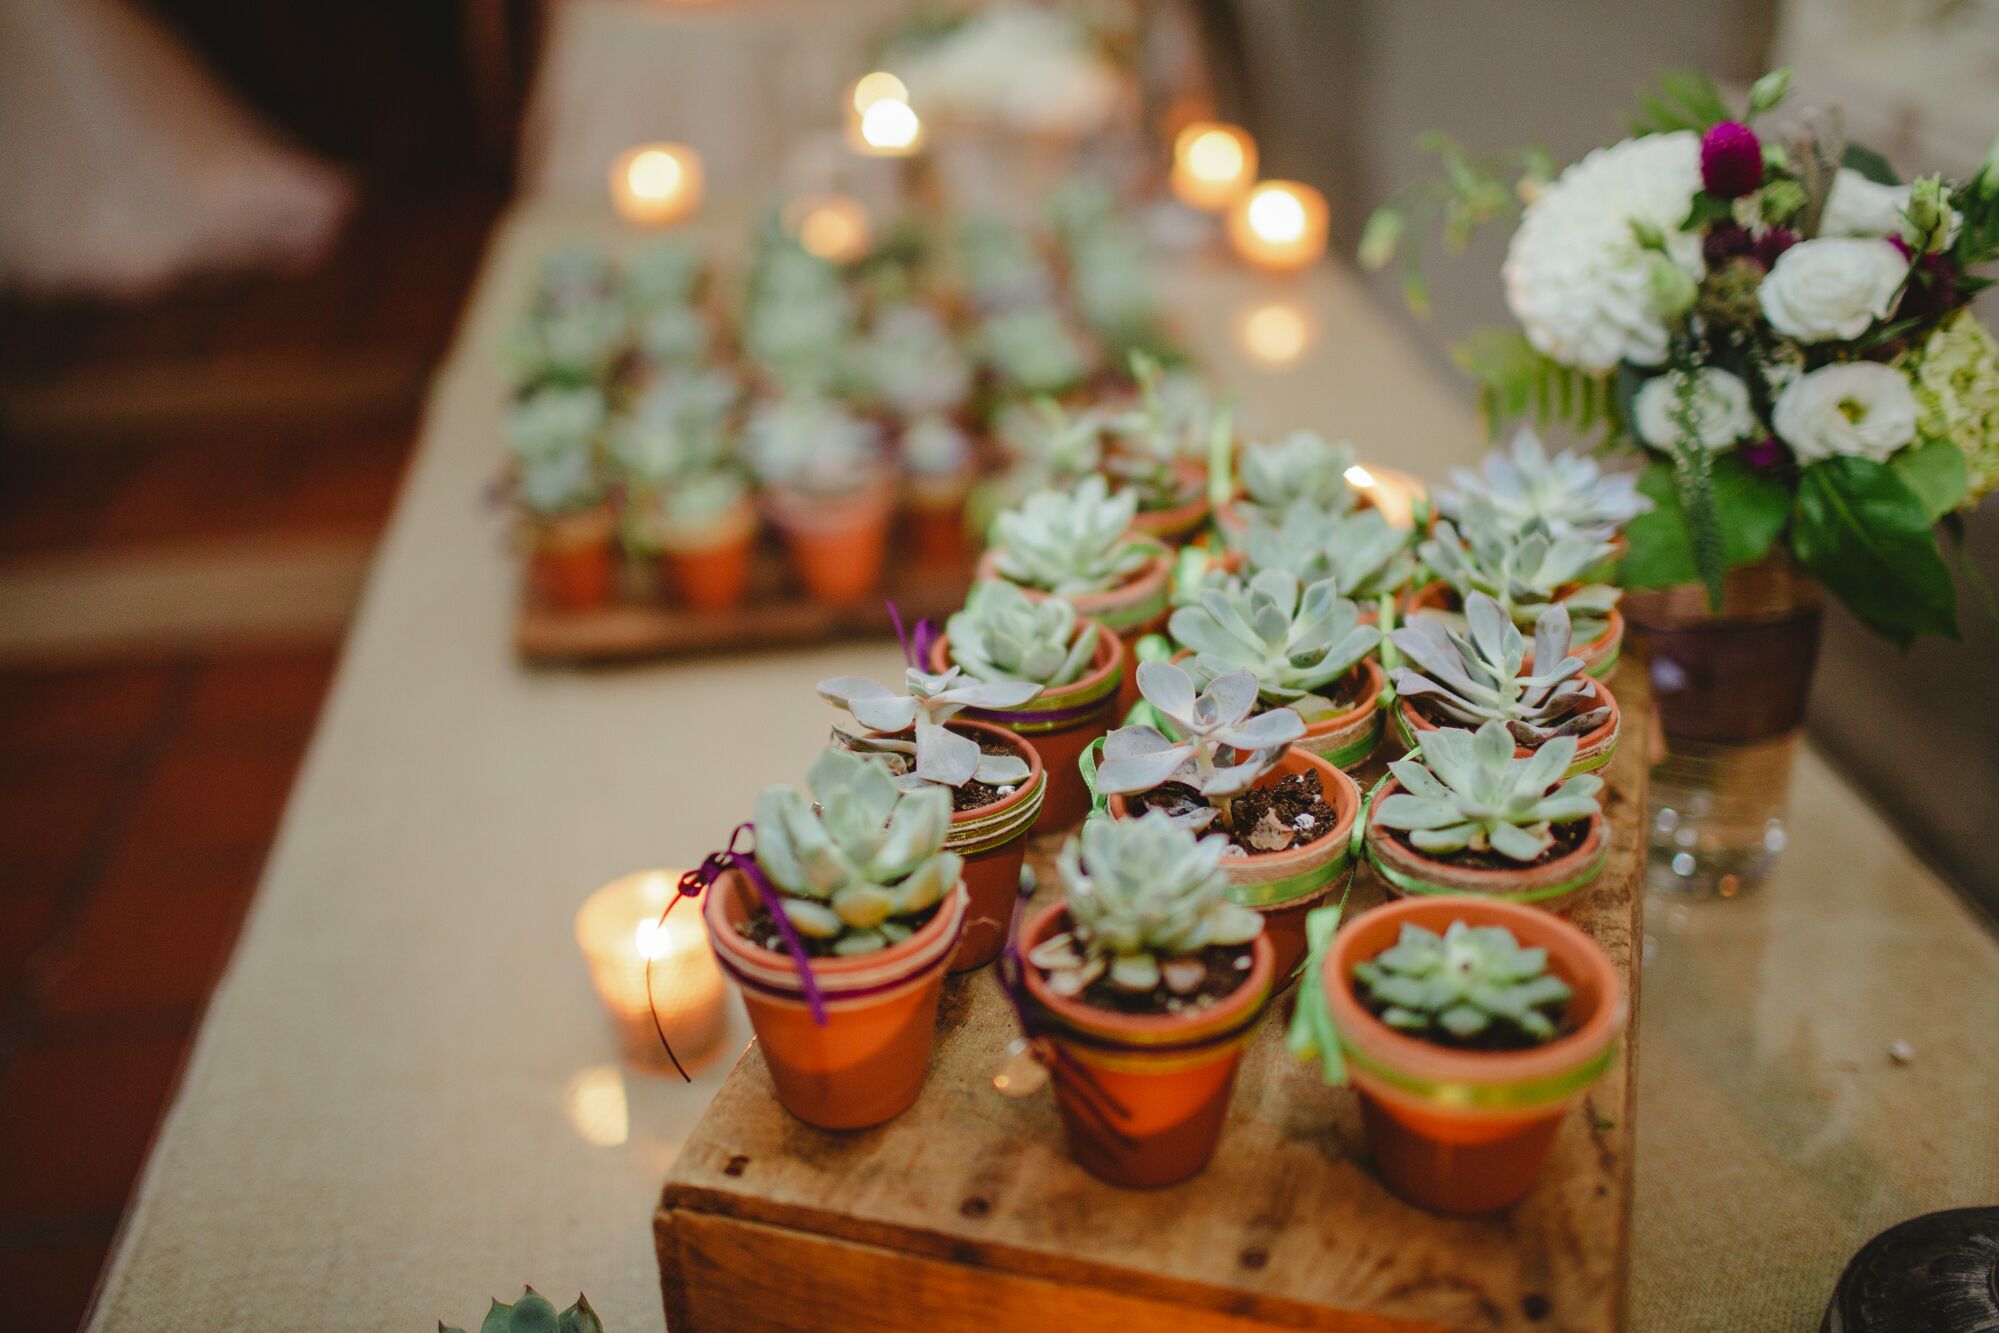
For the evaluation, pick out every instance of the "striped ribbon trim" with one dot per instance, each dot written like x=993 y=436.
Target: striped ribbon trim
x=1353 y=752
x=1585 y=763
x=1130 y=615
x=1603 y=669
x=972 y=837
x=1415 y=886
x=1073 y=709
x=1276 y=892
x=1519 y=1096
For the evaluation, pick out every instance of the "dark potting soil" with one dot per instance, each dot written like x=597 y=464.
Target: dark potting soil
x=1228 y=966
x=1262 y=819
x=976 y=793
x=1500 y=1036
x=1345 y=693
x=761 y=930
x=1568 y=837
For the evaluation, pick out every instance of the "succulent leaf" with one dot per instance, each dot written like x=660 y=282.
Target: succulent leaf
x=939 y=755
x=1071 y=542
x=1525 y=573
x=1004 y=635
x=1360 y=551
x=1221 y=750
x=1524 y=488
x=1470 y=984
x=1294 y=640
x=1469 y=792
x=1302 y=468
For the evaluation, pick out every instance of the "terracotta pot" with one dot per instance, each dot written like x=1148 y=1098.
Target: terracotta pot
x=1347 y=739
x=1083 y=711
x=1458 y=1131
x=1132 y=610
x=1554 y=886
x=836 y=546
x=934 y=520
x=1593 y=748
x=1599 y=655
x=1168 y=1104
x=709 y=569
x=1179 y=524
x=570 y=564
x=993 y=840
x=1284 y=886
x=865 y=1064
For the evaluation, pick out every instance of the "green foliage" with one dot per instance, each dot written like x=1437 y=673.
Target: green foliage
x=1860 y=158
x=1937 y=472
x=1680 y=99
x=1470 y=984
x=1297 y=640
x=1514 y=379
x=1865 y=534
x=1469 y=191
x=533 y=1313
x=1750 y=510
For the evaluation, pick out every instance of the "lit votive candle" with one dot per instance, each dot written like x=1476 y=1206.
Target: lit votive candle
x=833 y=226
x=656 y=183
x=886 y=126
x=1275 y=333
x=1391 y=491
x=1279 y=225
x=1213 y=164
x=620 y=931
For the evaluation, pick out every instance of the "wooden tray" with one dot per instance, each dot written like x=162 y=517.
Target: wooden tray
x=645 y=622
x=965 y=1212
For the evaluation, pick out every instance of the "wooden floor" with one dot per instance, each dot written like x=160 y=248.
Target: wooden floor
x=189 y=494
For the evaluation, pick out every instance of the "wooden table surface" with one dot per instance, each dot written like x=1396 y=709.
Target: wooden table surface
x=405 y=1096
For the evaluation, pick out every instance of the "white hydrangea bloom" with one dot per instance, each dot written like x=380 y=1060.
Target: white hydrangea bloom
x=1719 y=410
x=1576 y=277
x=1831 y=289
x=1851 y=407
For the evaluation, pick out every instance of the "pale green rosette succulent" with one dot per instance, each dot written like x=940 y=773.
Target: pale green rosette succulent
x=1003 y=634
x=1476 y=677
x=1302 y=468
x=1217 y=747
x=1524 y=574
x=535 y=1313
x=933 y=754
x=811 y=444
x=1295 y=639
x=1360 y=551
x=1071 y=542
x=1031 y=349
x=1468 y=793
x=1470 y=985
x=1527 y=489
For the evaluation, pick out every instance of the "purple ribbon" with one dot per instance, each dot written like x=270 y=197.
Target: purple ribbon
x=712 y=867
x=915 y=648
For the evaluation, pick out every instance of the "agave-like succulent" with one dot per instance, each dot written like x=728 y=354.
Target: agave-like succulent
x=555 y=420
x=1527 y=489
x=1473 y=678
x=1468 y=793
x=1071 y=542
x=934 y=754
x=1218 y=749
x=1470 y=985
x=677 y=427
x=535 y=1313
x=933 y=446
x=1302 y=468
x=1525 y=574
x=1003 y=634
x=1152 y=439
x=811 y=444
x=861 y=857
x=1359 y=550
x=1295 y=640
x=1145 y=898
x=1032 y=349
x=909 y=362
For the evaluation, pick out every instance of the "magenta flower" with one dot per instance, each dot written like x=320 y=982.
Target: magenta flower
x=1772 y=243
x=1731 y=160
x=1766 y=455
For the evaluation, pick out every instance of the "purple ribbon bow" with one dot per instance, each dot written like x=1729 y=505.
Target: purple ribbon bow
x=915 y=647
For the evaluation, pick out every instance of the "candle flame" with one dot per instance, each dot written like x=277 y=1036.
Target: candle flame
x=1215 y=155
x=1276 y=333
x=596 y=1105
x=880 y=86
x=1359 y=476
x=655 y=174
x=890 y=125
x=1277 y=215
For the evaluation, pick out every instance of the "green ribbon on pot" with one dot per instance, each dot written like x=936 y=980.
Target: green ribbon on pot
x=1416 y=887
x=1086 y=764
x=1292 y=887
x=1346 y=756
x=1312 y=1035
x=1602 y=670
x=1518 y=1096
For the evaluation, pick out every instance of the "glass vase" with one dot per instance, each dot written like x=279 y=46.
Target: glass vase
x=1730 y=688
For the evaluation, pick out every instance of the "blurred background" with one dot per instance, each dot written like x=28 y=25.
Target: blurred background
x=236 y=235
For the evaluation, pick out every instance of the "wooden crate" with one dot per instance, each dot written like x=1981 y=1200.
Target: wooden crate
x=966 y=1213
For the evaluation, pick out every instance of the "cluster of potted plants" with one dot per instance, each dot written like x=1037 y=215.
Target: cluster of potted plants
x=662 y=419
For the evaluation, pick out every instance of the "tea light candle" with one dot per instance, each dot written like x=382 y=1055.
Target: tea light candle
x=886 y=126
x=1275 y=333
x=1279 y=225
x=1393 y=492
x=620 y=930
x=656 y=183
x=1213 y=164
x=833 y=226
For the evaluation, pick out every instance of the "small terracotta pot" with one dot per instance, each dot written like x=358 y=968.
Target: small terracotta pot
x=571 y=565
x=1081 y=712
x=1137 y=607
x=1172 y=1101
x=993 y=840
x=934 y=520
x=1599 y=655
x=836 y=546
x=1458 y=1131
x=1285 y=886
x=1554 y=886
x=1179 y=524
x=1348 y=738
x=865 y=1065
x=709 y=569
x=1593 y=748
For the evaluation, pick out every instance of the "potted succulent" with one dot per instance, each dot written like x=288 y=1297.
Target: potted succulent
x=1142 y=985
x=1469 y=1028
x=1525 y=573
x=1364 y=555
x=827 y=490
x=995 y=780
x=1472 y=817
x=687 y=499
x=1307 y=648
x=1047 y=448
x=1525 y=488
x=1303 y=468
x=798 y=321
x=908 y=366
x=853 y=892
x=1031 y=349
x=1161 y=457
x=1469 y=679
x=937 y=476
x=535 y=1313
x=1287 y=814
x=567 y=523
x=1002 y=634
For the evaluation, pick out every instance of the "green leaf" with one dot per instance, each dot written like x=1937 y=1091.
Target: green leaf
x=580 y=1318
x=1860 y=158
x=1514 y=380
x=1685 y=99
x=1866 y=535
x=1936 y=471
x=1750 y=507
x=1768 y=91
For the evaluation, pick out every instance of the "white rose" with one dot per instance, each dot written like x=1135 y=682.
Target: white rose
x=1832 y=288
x=1719 y=410
x=1852 y=407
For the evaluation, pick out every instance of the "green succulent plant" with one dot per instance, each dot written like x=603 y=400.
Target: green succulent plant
x=1152 y=440
x=909 y=363
x=555 y=420
x=810 y=443
x=663 y=274
x=574 y=275
x=1528 y=489
x=1476 y=677
x=1003 y=634
x=1294 y=639
x=933 y=446
x=1471 y=985
x=566 y=344
x=1217 y=748
x=1000 y=265
x=535 y=1313
x=933 y=753
x=1468 y=793
x=1145 y=898
x=1359 y=550
x=1032 y=349
x=859 y=860
x=1524 y=573
x=676 y=335
x=1071 y=542
x=678 y=426
x=1302 y=468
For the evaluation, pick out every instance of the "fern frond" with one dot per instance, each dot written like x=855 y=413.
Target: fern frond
x=1515 y=380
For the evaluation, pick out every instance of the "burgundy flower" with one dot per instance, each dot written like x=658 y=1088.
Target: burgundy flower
x=1766 y=455
x=1725 y=241
x=1932 y=290
x=1731 y=160
x=1772 y=243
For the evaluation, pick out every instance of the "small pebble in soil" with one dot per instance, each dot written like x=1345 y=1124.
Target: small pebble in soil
x=1006 y=791
x=1901 y=1052
x=1303 y=821
x=1242 y=963
x=1232 y=850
